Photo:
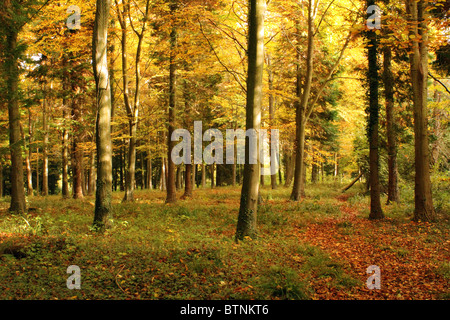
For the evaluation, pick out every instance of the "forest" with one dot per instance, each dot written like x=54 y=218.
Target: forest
x=224 y=150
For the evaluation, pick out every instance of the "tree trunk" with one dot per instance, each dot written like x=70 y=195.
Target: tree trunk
x=163 y=178
x=91 y=175
x=289 y=163
x=171 y=188
x=103 y=126
x=44 y=145
x=30 y=154
x=246 y=225
x=417 y=14
x=301 y=107
x=77 y=154
x=273 y=159
x=149 y=171
x=390 y=126
x=131 y=155
x=212 y=175
x=375 y=205
x=17 y=204
x=38 y=185
x=178 y=178
x=188 y=184
x=203 y=175
x=65 y=152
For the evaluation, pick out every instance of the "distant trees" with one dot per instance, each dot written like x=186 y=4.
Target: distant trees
x=195 y=66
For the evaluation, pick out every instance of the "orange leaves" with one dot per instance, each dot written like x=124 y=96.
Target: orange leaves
x=408 y=254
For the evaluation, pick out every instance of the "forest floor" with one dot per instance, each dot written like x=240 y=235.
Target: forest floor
x=319 y=248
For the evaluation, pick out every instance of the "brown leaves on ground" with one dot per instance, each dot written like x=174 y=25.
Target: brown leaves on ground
x=409 y=255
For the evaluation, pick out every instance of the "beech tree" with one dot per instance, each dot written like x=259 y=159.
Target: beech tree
x=246 y=225
x=418 y=58
x=103 y=128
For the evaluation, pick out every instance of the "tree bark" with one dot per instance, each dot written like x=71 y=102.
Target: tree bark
x=77 y=153
x=273 y=177
x=17 y=204
x=65 y=140
x=163 y=178
x=45 y=144
x=30 y=154
x=103 y=126
x=289 y=163
x=390 y=126
x=211 y=167
x=149 y=170
x=246 y=225
x=375 y=204
x=203 y=175
x=298 y=188
x=171 y=187
x=417 y=15
x=91 y=173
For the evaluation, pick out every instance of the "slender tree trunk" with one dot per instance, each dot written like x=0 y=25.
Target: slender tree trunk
x=91 y=176
x=38 y=185
x=17 y=204
x=77 y=154
x=375 y=205
x=439 y=144
x=273 y=156
x=171 y=188
x=45 y=144
x=65 y=134
x=417 y=15
x=103 y=126
x=203 y=175
x=131 y=155
x=390 y=126
x=234 y=165
x=246 y=225
x=149 y=171
x=211 y=167
x=178 y=178
x=298 y=188
x=163 y=178
x=30 y=154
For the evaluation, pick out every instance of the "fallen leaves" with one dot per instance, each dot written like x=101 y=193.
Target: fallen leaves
x=407 y=258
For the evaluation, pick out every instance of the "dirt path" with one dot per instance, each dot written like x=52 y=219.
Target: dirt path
x=409 y=255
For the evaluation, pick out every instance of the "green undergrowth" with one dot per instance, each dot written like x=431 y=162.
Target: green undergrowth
x=184 y=250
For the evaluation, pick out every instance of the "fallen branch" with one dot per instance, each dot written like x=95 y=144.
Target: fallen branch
x=353 y=182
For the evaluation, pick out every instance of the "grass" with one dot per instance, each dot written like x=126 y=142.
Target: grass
x=180 y=251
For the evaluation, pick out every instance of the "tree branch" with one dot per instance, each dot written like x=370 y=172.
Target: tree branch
x=435 y=79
